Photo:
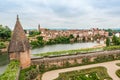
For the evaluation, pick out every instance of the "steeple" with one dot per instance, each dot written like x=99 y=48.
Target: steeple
x=17 y=17
x=19 y=42
x=19 y=47
x=39 y=27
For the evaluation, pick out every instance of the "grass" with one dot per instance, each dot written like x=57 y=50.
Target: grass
x=118 y=64
x=11 y=71
x=3 y=59
x=112 y=47
x=96 y=73
x=65 y=52
x=118 y=73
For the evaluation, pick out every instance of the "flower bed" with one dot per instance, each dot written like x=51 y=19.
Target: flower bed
x=97 y=73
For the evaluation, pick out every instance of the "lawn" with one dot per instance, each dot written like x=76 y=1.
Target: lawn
x=97 y=73
x=118 y=64
x=118 y=73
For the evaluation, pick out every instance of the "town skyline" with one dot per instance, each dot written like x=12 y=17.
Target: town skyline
x=61 y=14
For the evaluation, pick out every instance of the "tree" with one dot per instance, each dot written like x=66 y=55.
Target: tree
x=34 y=33
x=110 y=31
x=114 y=40
x=40 y=38
x=108 y=41
x=2 y=45
x=71 y=36
x=5 y=33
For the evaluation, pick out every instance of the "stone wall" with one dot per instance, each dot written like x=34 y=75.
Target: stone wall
x=60 y=61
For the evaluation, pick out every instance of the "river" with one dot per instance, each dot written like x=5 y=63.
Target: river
x=2 y=69
x=60 y=47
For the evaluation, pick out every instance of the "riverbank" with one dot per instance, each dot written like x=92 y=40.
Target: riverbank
x=76 y=51
x=99 y=46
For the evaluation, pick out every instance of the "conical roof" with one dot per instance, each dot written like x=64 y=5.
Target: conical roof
x=19 y=41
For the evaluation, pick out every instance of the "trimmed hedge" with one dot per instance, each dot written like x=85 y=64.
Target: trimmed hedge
x=96 y=73
x=118 y=73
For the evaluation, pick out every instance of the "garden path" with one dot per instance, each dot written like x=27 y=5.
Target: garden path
x=111 y=69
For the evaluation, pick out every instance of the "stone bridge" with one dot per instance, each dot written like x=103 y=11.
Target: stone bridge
x=59 y=61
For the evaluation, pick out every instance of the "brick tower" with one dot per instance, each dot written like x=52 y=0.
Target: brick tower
x=19 y=47
x=39 y=27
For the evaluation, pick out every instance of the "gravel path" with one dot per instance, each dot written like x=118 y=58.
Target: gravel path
x=111 y=69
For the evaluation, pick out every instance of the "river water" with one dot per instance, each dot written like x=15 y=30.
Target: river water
x=2 y=69
x=59 y=47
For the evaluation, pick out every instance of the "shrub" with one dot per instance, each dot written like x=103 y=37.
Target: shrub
x=118 y=73
x=2 y=45
x=29 y=73
x=85 y=60
x=97 y=73
x=11 y=71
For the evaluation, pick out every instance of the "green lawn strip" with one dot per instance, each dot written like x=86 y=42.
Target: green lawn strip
x=11 y=71
x=57 y=53
x=118 y=73
x=116 y=47
x=96 y=73
x=76 y=51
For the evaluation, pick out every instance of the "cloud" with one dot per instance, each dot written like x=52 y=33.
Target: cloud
x=61 y=13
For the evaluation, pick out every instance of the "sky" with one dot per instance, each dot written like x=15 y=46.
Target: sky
x=61 y=14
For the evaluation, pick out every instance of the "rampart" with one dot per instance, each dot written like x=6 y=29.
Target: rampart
x=60 y=60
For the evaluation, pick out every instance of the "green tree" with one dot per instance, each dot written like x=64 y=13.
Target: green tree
x=5 y=33
x=71 y=36
x=2 y=45
x=110 y=31
x=34 y=33
x=40 y=38
x=116 y=40
x=108 y=41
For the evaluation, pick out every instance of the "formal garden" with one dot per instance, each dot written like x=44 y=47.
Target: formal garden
x=97 y=73
x=33 y=71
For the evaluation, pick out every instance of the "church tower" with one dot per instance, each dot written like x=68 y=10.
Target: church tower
x=19 y=47
x=39 y=27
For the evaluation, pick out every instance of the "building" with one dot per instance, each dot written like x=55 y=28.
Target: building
x=19 y=47
x=89 y=34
